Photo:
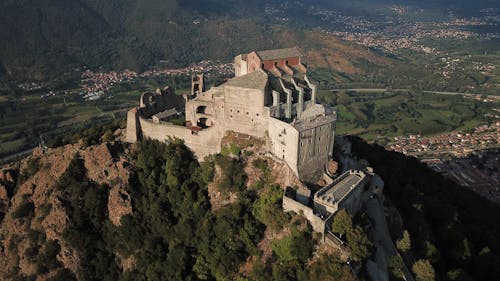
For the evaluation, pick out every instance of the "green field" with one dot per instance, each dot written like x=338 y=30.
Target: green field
x=25 y=117
x=381 y=116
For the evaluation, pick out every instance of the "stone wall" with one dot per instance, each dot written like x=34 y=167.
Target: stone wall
x=254 y=62
x=285 y=142
x=315 y=150
x=240 y=65
x=202 y=143
x=290 y=205
x=244 y=111
x=152 y=103
x=133 y=128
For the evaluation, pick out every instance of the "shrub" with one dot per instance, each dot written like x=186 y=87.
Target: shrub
x=14 y=242
x=342 y=222
x=63 y=275
x=396 y=266
x=404 y=244
x=32 y=167
x=46 y=259
x=23 y=210
x=233 y=175
x=44 y=210
x=297 y=246
x=31 y=253
x=359 y=243
x=231 y=149
x=267 y=209
x=423 y=270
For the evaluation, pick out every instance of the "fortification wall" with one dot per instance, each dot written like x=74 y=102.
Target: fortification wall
x=240 y=65
x=152 y=103
x=133 y=127
x=290 y=205
x=253 y=62
x=244 y=111
x=315 y=149
x=204 y=143
x=285 y=142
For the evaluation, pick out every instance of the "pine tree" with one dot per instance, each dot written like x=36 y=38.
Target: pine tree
x=404 y=244
x=342 y=222
x=423 y=270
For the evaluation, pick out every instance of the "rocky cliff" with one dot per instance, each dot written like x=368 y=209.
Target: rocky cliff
x=33 y=212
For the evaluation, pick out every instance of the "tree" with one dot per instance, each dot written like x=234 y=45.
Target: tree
x=342 y=222
x=396 y=266
x=329 y=268
x=359 y=243
x=423 y=270
x=297 y=246
x=404 y=244
x=267 y=209
x=431 y=252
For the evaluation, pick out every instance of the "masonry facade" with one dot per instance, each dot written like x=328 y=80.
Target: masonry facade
x=270 y=97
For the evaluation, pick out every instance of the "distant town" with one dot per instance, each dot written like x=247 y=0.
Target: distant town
x=391 y=36
x=468 y=158
x=456 y=144
x=95 y=84
x=479 y=171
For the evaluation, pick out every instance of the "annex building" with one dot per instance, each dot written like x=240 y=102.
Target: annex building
x=270 y=97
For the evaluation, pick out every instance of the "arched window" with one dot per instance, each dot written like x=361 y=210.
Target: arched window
x=202 y=123
x=201 y=109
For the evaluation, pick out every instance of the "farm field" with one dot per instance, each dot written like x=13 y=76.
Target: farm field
x=382 y=116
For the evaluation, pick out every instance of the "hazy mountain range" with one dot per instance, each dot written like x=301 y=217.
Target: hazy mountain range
x=46 y=37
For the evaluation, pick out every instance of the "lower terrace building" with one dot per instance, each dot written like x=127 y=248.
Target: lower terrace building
x=271 y=97
x=348 y=191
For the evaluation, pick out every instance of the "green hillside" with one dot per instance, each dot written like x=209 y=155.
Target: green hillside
x=42 y=39
x=51 y=36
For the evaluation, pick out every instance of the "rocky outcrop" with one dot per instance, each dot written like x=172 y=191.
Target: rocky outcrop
x=36 y=213
x=105 y=170
x=7 y=182
x=4 y=201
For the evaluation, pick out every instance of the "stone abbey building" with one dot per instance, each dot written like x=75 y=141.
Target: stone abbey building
x=270 y=97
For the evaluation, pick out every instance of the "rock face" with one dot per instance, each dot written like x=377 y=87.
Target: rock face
x=105 y=170
x=36 y=209
x=7 y=182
